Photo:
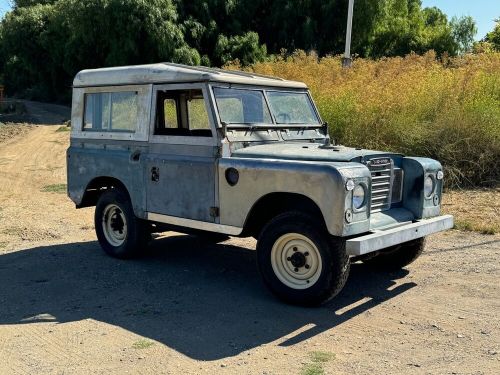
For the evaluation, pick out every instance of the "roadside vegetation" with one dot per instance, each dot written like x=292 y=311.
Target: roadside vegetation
x=447 y=109
x=474 y=210
x=419 y=84
x=71 y=35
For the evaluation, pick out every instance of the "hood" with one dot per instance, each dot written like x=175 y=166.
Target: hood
x=307 y=152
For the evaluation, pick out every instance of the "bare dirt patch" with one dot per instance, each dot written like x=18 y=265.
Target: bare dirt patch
x=193 y=307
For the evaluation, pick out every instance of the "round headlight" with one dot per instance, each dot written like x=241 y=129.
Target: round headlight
x=428 y=186
x=358 y=196
x=440 y=175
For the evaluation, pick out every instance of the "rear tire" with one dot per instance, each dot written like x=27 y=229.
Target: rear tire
x=397 y=257
x=120 y=233
x=299 y=261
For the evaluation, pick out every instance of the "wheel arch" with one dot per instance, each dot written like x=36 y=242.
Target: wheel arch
x=273 y=204
x=97 y=186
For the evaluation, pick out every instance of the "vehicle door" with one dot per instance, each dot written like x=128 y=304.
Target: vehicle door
x=181 y=164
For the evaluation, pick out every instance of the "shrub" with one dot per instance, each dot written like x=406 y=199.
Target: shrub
x=446 y=109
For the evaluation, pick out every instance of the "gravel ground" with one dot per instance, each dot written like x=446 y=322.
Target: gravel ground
x=191 y=307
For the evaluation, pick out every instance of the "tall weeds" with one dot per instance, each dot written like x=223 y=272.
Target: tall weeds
x=444 y=109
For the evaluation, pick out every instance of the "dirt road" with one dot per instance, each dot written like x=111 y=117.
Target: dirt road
x=188 y=307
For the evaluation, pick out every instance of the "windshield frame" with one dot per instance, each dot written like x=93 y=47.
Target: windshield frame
x=264 y=89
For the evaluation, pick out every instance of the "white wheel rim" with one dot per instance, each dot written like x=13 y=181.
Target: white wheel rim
x=114 y=225
x=296 y=261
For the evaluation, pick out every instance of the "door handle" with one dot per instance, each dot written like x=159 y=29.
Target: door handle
x=136 y=155
x=155 y=174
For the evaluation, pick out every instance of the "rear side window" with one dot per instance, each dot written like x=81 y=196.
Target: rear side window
x=111 y=112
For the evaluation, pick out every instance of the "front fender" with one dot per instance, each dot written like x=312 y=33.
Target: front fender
x=322 y=182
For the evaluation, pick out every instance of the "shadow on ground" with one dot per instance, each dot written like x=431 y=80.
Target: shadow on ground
x=205 y=301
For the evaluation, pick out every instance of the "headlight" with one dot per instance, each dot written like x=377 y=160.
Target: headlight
x=428 y=186
x=358 y=196
x=440 y=175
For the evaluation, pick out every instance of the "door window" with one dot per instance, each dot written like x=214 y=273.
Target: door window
x=183 y=113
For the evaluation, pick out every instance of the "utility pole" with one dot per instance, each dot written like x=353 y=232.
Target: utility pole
x=347 y=60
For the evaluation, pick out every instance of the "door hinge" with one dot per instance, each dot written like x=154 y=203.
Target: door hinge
x=218 y=152
x=214 y=212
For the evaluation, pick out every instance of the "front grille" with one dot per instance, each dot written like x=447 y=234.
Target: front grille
x=382 y=171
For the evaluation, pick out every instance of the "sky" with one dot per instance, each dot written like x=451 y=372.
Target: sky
x=483 y=11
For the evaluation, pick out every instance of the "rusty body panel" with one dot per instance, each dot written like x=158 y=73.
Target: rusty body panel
x=182 y=179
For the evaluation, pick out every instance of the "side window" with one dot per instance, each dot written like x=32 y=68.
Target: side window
x=183 y=113
x=111 y=112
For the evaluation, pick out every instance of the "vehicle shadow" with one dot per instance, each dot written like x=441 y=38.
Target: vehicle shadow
x=205 y=301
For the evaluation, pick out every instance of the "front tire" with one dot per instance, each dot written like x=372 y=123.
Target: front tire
x=397 y=257
x=299 y=261
x=120 y=233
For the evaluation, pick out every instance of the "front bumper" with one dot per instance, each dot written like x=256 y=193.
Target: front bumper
x=381 y=239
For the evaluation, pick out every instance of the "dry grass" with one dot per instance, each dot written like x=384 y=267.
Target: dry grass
x=417 y=105
x=474 y=210
x=55 y=188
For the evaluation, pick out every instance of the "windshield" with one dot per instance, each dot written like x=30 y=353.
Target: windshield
x=243 y=106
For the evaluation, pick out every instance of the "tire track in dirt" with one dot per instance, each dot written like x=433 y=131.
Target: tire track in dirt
x=430 y=319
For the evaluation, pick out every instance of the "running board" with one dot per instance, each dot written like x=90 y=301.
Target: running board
x=195 y=224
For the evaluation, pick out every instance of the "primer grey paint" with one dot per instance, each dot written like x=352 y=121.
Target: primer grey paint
x=180 y=180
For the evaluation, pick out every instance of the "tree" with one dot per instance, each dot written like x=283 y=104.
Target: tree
x=24 y=57
x=43 y=43
x=46 y=45
x=464 y=30
x=29 y=3
x=221 y=30
x=493 y=36
x=245 y=48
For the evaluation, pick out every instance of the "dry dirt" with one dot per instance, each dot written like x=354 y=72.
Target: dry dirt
x=189 y=307
x=476 y=210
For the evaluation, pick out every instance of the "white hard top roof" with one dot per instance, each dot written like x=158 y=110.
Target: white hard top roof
x=172 y=73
